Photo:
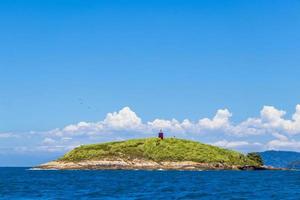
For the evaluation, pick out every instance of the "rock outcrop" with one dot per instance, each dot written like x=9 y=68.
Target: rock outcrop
x=143 y=165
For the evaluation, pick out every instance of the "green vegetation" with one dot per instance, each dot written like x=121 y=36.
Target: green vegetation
x=155 y=149
x=255 y=157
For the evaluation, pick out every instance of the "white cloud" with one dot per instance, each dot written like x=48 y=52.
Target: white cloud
x=272 y=120
x=272 y=115
x=53 y=148
x=173 y=125
x=124 y=119
x=236 y=144
x=48 y=141
x=291 y=145
x=7 y=135
x=280 y=136
x=220 y=120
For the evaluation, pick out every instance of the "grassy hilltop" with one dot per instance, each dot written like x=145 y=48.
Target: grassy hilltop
x=155 y=149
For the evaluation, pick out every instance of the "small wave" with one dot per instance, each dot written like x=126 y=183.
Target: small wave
x=40 y=169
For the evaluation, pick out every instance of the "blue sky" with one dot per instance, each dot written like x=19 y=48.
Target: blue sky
x=65 y=62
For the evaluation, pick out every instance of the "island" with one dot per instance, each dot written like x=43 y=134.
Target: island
x=155 y=154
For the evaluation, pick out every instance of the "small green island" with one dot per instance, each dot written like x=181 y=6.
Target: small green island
x=155 y=154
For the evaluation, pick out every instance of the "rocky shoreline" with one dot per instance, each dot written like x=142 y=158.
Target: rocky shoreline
x=144 y=165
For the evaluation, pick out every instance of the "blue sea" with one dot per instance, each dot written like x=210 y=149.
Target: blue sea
x=21 y=183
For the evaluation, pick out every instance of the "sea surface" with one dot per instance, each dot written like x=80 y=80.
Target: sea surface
x=21 y=183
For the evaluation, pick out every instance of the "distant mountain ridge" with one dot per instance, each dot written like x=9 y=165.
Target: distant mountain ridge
x=285 y=159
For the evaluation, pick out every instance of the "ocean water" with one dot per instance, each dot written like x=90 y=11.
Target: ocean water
x=21 y=183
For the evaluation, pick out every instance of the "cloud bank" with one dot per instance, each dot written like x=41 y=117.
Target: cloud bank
x=270 y=130
x=271 y=121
